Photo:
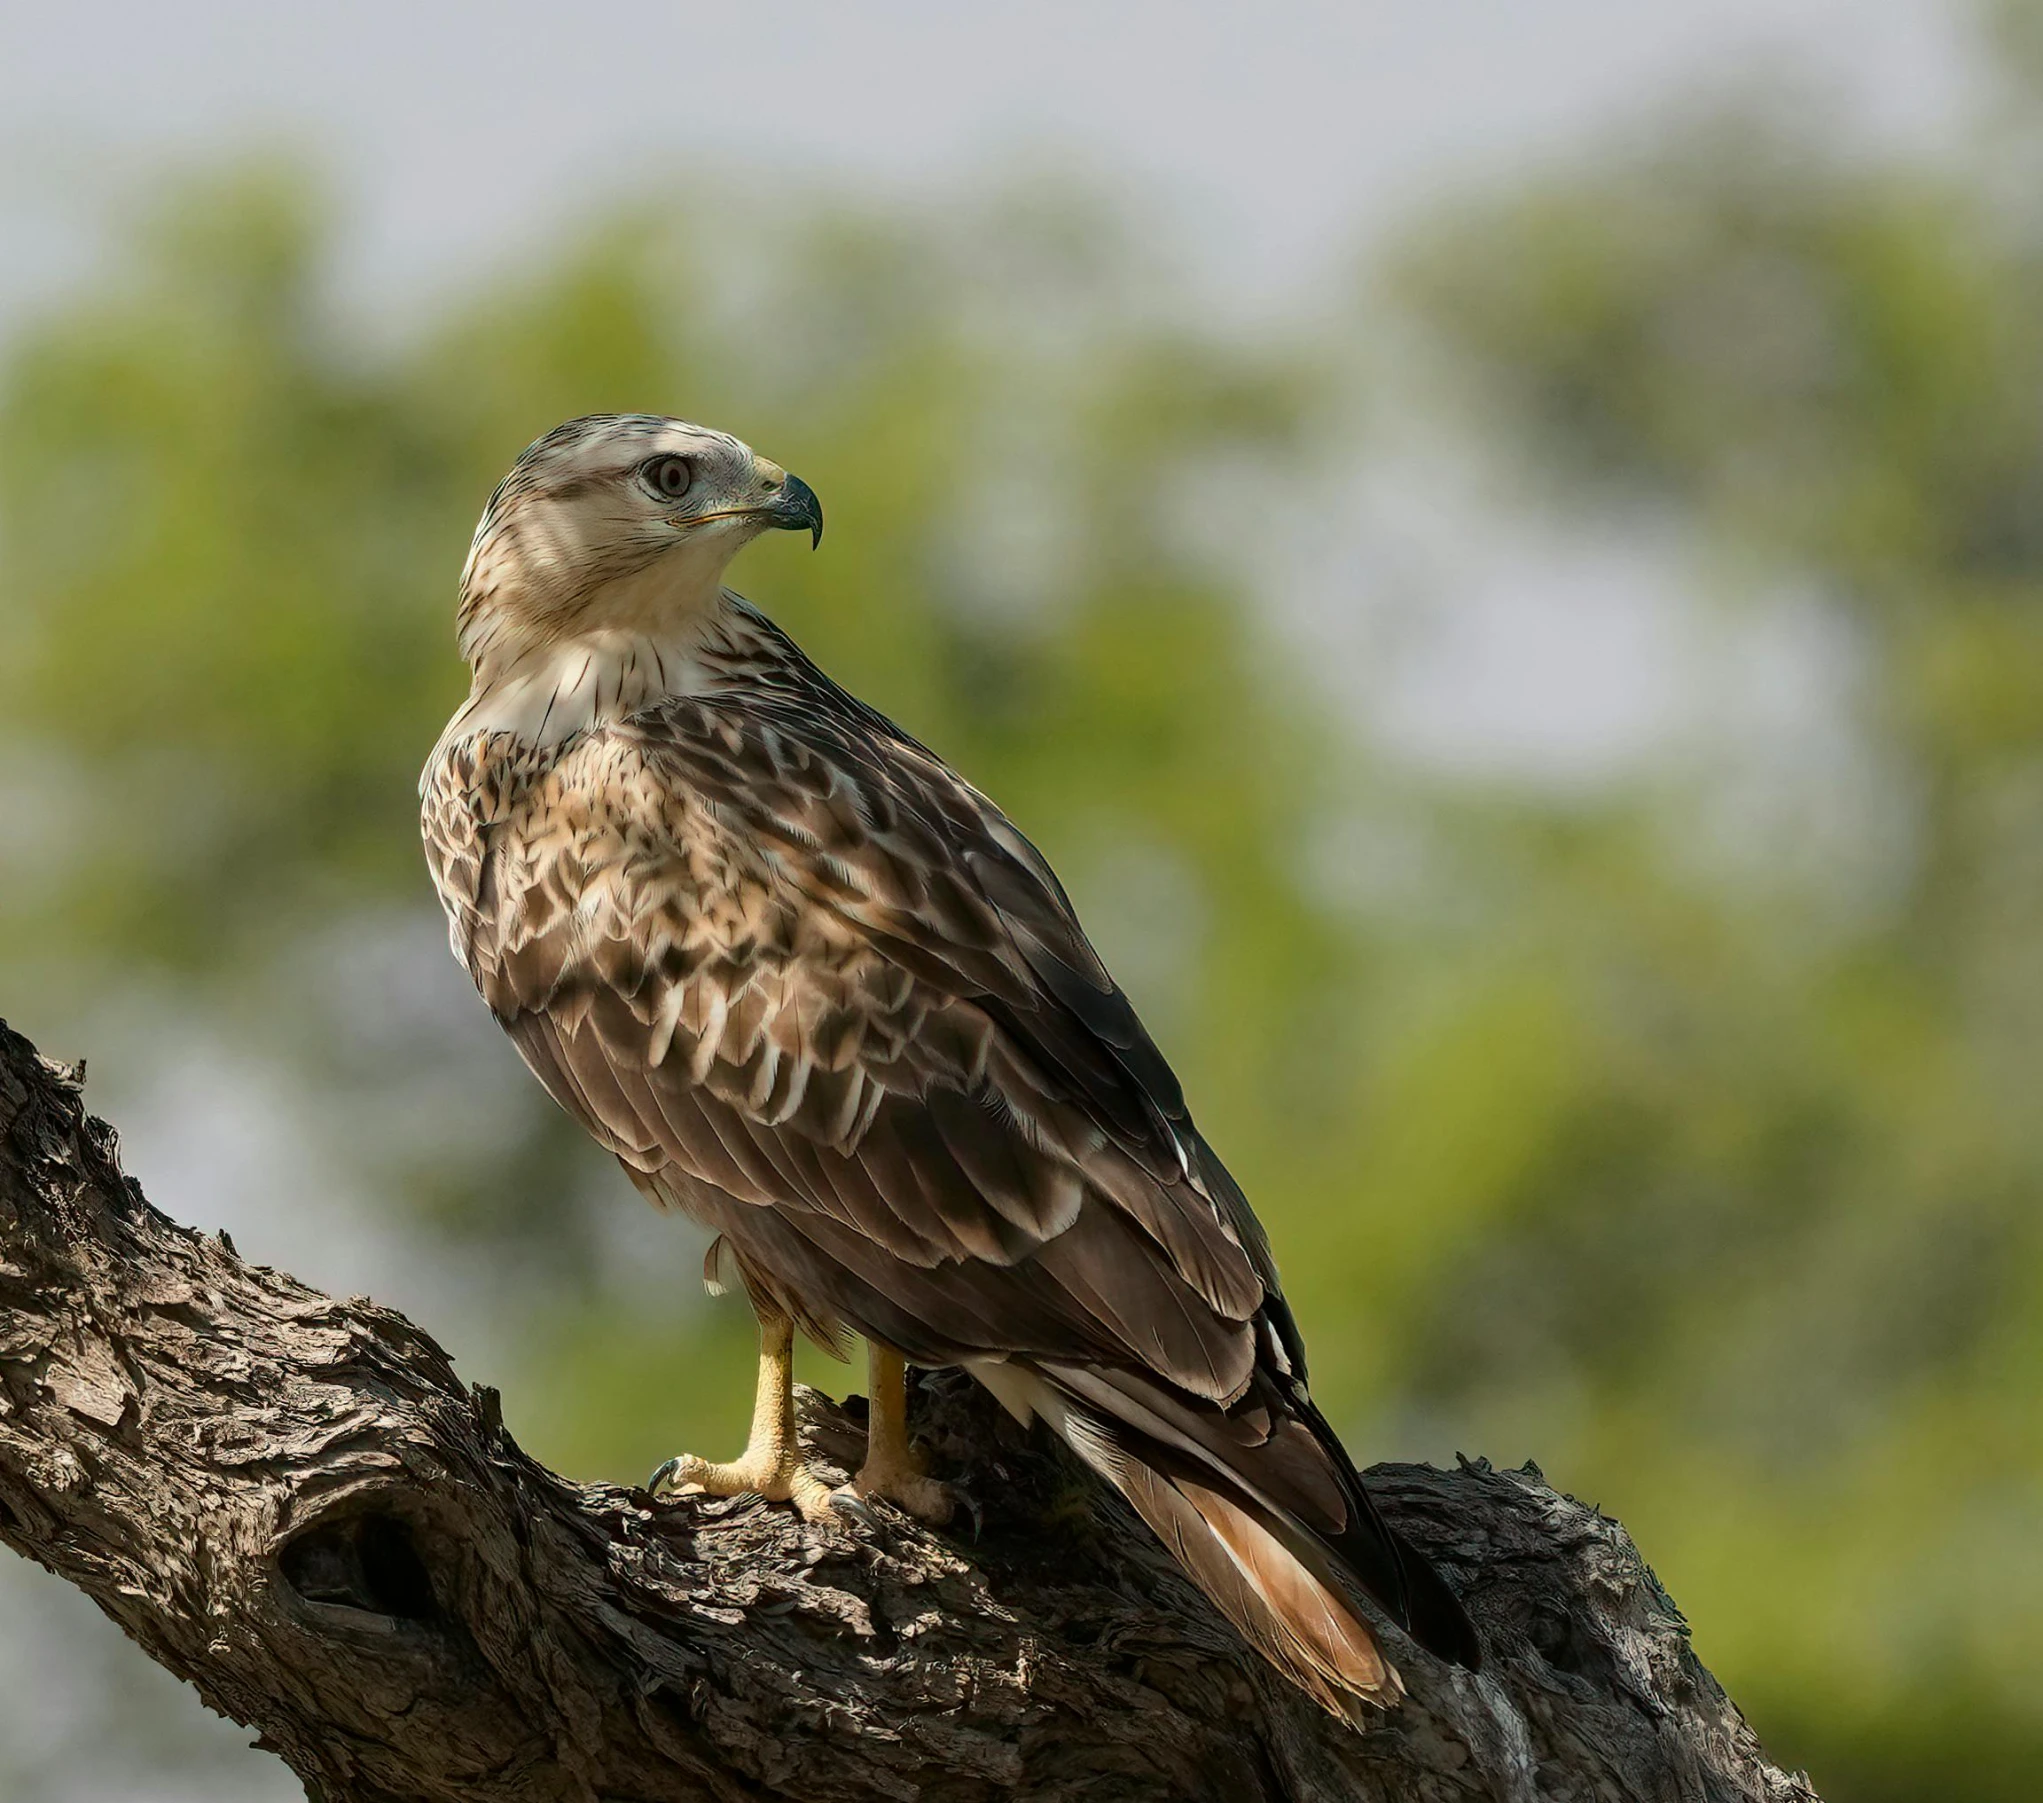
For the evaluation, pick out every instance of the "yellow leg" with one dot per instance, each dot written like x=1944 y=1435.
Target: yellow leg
x=771 y=1464
x=892 y=1467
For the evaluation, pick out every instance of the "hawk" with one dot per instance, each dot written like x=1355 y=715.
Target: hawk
x=818 y=993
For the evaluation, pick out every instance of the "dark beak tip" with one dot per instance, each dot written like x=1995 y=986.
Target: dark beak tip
x=798 y=507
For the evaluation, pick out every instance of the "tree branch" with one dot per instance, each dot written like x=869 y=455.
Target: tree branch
x=294 y=1503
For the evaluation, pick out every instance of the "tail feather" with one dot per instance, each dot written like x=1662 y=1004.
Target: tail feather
x=1218 y=1505
x=1255 y=1575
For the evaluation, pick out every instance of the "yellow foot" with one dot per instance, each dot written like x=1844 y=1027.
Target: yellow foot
x=905 y=1484
x=893 y=1468
x=777 y=1480
x=771 y=1464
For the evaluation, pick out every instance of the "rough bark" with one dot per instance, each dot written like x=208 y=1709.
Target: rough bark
x=294 y=1503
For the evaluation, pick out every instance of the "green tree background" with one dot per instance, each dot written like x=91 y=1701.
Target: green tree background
x=1678 y=1130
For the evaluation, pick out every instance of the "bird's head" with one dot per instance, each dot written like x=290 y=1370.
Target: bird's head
x=619 y=522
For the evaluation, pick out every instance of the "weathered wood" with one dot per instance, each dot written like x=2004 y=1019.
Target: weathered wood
x=294 y=1503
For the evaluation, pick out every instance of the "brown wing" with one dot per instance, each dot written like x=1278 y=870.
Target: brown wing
x=772 y=960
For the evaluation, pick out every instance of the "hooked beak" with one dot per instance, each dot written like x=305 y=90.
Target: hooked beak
x=794 y=508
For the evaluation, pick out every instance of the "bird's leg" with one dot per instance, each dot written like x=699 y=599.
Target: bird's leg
x=893 y=1468
x=771 y=1464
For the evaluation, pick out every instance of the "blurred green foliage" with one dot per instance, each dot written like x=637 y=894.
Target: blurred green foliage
x=1787 y=1234
x=1692 y=1152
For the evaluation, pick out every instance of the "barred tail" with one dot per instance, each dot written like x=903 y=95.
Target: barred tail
x=1276 y=1581
x=1260 y=1576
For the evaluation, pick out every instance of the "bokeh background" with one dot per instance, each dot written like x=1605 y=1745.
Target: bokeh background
x=1498 y=548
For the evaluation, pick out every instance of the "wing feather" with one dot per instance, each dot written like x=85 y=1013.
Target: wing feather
x=889 y=1018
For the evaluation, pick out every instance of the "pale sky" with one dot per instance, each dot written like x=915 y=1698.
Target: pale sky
x=1263 y=134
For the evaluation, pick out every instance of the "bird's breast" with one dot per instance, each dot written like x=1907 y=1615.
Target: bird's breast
x=590 y=860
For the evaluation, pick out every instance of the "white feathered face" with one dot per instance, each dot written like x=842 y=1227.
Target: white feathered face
x=618 y=522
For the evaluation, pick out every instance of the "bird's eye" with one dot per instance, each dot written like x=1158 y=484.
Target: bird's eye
x=669 y=477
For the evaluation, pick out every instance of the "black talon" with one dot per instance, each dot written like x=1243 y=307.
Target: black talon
x=959 y=1494
x=849 y=1502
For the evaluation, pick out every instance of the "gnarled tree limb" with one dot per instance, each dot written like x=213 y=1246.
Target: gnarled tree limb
x=294 y=1503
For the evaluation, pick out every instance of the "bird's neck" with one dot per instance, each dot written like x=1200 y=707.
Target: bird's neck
x=544 y=694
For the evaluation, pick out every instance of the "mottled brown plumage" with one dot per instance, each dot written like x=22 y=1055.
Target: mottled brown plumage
x=814 y=989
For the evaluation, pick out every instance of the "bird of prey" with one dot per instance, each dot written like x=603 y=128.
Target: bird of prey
x=818 y=993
